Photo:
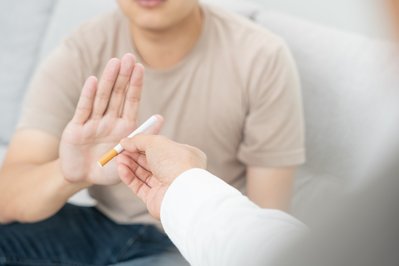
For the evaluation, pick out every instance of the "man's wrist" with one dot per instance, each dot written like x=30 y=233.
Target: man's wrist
x=66 y=186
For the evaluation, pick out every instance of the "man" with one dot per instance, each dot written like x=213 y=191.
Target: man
x=224 y=85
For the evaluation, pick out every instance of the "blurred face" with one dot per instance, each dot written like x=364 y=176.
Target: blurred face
x=157 y=15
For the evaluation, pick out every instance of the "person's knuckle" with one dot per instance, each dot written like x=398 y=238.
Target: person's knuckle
x=119 y=91
x=83 y=108
x=133 y=99
x=102 y=96
x=159 y=139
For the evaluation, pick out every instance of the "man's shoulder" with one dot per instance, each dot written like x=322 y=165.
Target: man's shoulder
x=243 y=33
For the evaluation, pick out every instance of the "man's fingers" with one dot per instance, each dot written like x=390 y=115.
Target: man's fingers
x=137 y=186
x=133 y=94
x=85 y=104
x=140 y=172
x=107 y=82
x=125 y=174
x=126 y=160
x=139 y=158
x=127 y=65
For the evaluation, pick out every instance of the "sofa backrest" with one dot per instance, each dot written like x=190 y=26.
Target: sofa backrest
x=23 y=24
x=350 y=87
x=69 y=14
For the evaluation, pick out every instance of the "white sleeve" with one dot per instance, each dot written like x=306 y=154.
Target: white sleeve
x=212 y=223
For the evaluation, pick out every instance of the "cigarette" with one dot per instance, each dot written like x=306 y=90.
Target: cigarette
x=118 y=148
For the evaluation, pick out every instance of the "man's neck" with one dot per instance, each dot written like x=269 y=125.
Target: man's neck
x=164 y=49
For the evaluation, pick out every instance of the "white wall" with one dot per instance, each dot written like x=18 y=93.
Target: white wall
x=368 y=17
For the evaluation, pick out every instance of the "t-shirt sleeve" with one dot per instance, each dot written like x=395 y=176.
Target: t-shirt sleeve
x=274 y=126
x=54 y=91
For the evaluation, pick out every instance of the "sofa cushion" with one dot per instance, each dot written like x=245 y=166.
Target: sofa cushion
x=22 y=25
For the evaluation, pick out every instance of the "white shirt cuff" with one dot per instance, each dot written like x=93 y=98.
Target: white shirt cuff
x=185 y=195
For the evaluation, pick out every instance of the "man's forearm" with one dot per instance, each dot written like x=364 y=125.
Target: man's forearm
x=271 y=188
x=31 y=192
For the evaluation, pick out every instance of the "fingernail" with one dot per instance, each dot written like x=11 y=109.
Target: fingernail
x=123 y=141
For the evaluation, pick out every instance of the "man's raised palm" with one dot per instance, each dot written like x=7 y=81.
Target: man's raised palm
x=106 y=113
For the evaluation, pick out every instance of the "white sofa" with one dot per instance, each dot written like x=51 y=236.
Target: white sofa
x=350 y=87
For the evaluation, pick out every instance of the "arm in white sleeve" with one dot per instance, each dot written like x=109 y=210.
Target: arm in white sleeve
x=212 y=223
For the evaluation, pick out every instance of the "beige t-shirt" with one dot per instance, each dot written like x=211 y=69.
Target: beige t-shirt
x=236 y=96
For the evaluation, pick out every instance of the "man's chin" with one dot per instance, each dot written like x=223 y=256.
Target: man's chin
x=152 y=24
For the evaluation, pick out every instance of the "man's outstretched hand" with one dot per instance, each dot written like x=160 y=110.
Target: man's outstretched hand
x=106 y=113
x=150 y=163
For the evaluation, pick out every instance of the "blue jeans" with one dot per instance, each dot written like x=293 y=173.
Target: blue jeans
x=82 y=236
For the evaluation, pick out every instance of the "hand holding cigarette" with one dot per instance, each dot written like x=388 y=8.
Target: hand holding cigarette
x=98 y=125
x=149 y=174
x=118 y=148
